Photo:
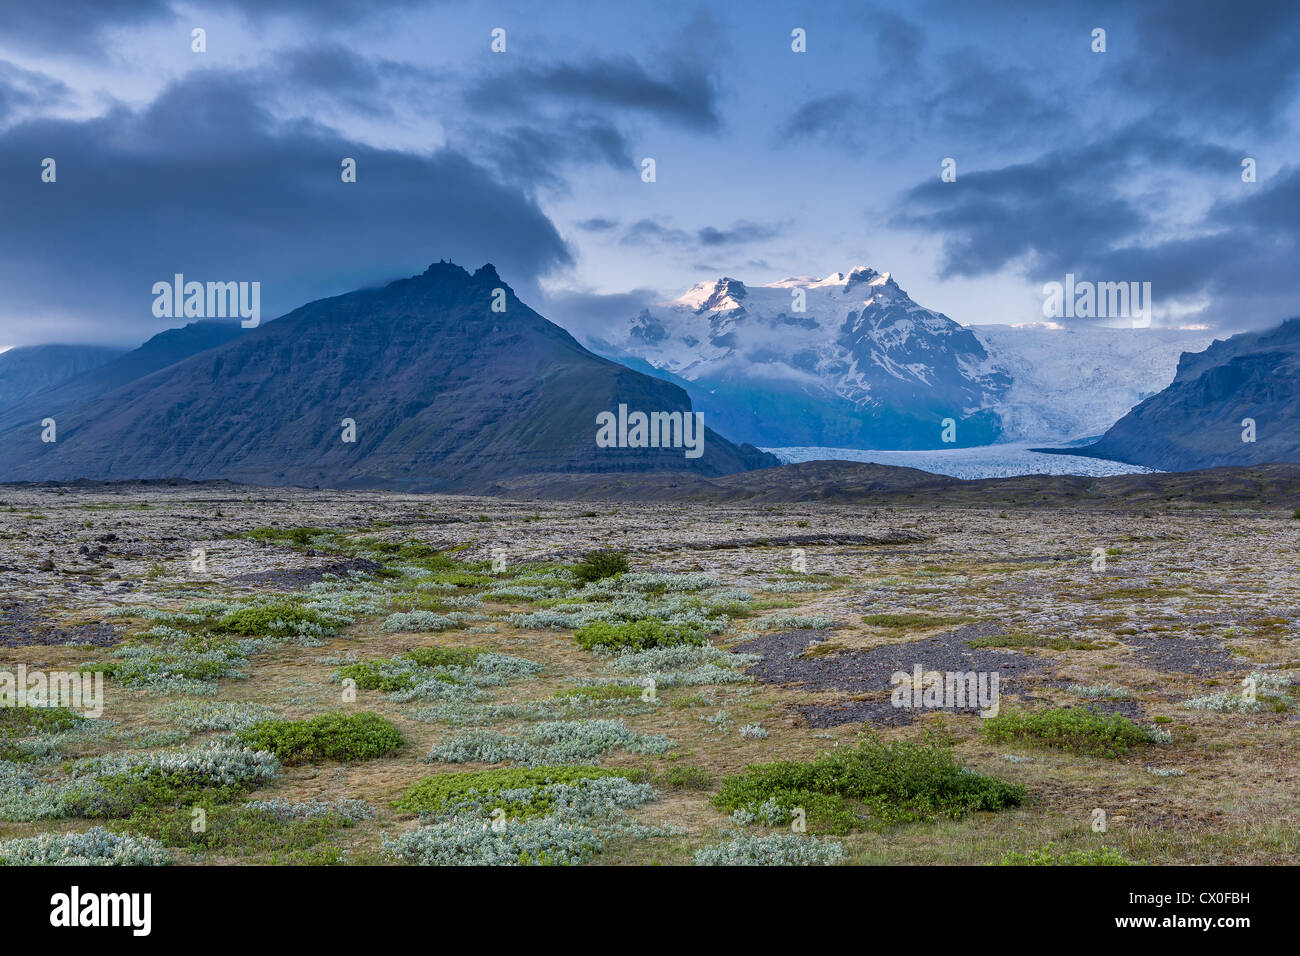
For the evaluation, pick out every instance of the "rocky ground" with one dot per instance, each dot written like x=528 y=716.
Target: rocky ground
x=1185 y=606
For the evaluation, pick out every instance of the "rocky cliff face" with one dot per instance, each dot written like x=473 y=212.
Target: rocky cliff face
x=438 y=391
x=1197 y=422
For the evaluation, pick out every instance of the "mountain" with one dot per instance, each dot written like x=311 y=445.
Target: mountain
x=163 y=350
x=29 y=369
x=864 y=366
x=859 y=365
x=1072 y=383
x=1197 y=422
x=443 y=393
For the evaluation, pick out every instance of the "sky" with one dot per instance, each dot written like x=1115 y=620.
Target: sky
x=224 y=165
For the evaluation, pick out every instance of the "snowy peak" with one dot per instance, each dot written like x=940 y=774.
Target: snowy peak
x=849 y=338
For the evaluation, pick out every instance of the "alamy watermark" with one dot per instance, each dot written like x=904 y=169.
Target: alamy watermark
x=653 y=430
x=953 y=690
x=78 y=691
x=1076 y=299
x=212 y=300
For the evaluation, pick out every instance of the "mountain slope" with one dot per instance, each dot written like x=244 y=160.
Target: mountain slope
x=26 y=370
x=1197 y=421
x=163 y=350
x=444 y=394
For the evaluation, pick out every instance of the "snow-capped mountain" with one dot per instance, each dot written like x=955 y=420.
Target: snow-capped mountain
x=851 y=361
x=847 y=360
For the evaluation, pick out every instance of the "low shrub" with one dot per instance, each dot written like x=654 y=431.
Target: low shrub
x=896 y=782
x=636 y=635
x=786 y=849
x=326 y=737
x=96 y=847
x=1076 y=729
x=601 y=564
x=520 y=791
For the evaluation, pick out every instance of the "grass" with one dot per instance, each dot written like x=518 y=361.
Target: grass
x=1034 y=640
x=1051 y=855
x=911 y=621
x=1074 y=729
x=326 y=737
x=231 y=829
x=894 y=782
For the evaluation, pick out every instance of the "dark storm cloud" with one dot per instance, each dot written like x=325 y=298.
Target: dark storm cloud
x=537 y=156
x=686 y=96
x=205 y=182
x=1060 y=209
x=1081 y=211
x=1237 y=63
x=24 y=90
x=72 y=25
x=369 y=86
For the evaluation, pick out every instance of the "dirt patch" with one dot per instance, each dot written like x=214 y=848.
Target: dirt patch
x=293 y=578
x=866 y=672
x=22 y=625
x=1182 y=654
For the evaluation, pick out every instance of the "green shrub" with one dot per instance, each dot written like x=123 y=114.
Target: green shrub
x=26 y=721
x=520 y=791
x=254 y=619
x=443 y=656
x=369 y=676
x=1076 y=729
x=896 y=782
x=326 y=737
x=601 y=564
x=636 y=635
x=295 y=537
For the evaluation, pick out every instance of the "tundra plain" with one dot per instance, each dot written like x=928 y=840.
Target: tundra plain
x=1148 y=667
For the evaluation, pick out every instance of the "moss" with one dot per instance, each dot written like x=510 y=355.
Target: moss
x=918 y=621
x=1033 y=640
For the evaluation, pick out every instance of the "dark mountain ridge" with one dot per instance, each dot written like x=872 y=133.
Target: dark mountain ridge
x=443 y=393
x=1204 y=417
